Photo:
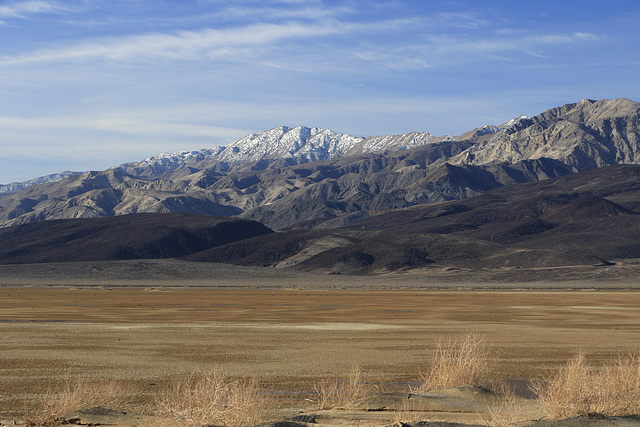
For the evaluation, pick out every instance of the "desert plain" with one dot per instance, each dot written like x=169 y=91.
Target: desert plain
x=143 y=323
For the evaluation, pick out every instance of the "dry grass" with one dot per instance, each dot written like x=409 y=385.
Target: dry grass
x=406 y=414
x=75 y=394
x=506 y=409
x=211 y=398
x=331 y=392
x=457 y=363
x=579 y=389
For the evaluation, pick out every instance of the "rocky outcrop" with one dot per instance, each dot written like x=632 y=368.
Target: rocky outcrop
x=583 y=136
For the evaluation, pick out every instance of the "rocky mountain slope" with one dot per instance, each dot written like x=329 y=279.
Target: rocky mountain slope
x=585 y=135
x=583 y=219
x=17 y=186
x=588 y=218
x=314 y=178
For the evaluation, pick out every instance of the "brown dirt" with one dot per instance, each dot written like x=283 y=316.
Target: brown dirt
x=288 y=339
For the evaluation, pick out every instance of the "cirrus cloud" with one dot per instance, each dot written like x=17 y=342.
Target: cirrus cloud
x=21 y=9
x=182 y=45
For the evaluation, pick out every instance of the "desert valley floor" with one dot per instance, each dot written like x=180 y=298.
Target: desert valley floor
x=289 y=330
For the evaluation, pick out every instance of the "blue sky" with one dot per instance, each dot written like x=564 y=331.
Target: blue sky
x=89 y=84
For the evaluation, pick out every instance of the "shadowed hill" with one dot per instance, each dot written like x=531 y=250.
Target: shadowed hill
x=136 y=236
x=589 y=218
x=582 y=219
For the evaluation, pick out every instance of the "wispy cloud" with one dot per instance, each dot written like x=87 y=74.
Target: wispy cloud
x=501 y=44
x=310 y=21
x=451 y=49
x=308 y=12
x=127 y=77
x=129 y=124
x=21 y=9
x=429 y=41
x=182 y=45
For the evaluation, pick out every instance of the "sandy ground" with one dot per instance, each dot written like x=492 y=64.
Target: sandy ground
x=624 y=275
x=286 y=331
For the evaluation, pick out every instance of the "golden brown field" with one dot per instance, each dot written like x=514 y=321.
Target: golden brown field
x=288 y=339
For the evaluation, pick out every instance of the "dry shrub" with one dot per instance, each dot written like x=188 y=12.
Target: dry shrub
x=457 y=363
x=406 y=414
x=578 y=389
x=211 y=398
x=506 y=409
x=75 y=394
x=331 y=392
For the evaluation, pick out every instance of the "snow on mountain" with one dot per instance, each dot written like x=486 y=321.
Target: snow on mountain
x=282 y=142
x=168 y=159
x=16 y=186
x=300 y=143
x=397 y=142
x=250 y=176
x=513 y=121
x=487 y=129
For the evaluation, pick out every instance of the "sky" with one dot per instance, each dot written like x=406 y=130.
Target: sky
x=90 y=84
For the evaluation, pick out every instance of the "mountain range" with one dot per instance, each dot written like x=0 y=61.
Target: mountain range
x=16 y=186
x=333 y=196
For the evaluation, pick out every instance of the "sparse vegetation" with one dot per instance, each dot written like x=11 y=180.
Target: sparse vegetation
x=331 y=392
x=588 y=383
x=211 y=398
x=457 y=363
x=73 y=394
x=507 y=408
x=579 y=389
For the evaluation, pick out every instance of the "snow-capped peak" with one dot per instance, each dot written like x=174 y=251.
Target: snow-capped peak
x=514 y=121
x=301 y=144
x=282 y=142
